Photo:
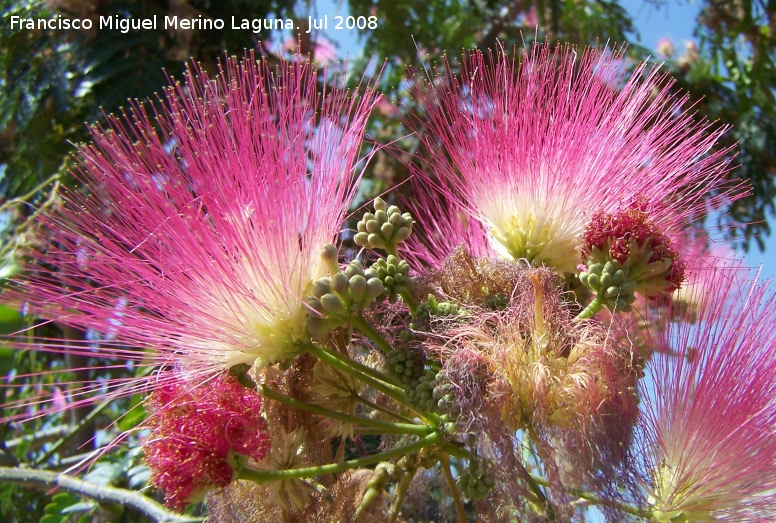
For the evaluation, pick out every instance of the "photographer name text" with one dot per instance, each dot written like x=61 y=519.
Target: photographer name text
x=255 y=25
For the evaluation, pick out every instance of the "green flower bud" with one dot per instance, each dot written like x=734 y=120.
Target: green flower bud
x=402 y=234
x=321 y=287
x=374 y=289
x=354 y=268
x=357 y=286
x=330 y=255
x=339 y=284
x=331 y=303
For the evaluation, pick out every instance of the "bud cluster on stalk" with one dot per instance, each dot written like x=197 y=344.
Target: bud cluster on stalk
x=476 y=481
x=394 y=274
x=345 y=293
x=427 y=388
x=610 y=281
x=405 y=364
x=386 y=228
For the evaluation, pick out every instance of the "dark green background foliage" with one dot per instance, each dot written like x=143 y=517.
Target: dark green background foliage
x=52 y=82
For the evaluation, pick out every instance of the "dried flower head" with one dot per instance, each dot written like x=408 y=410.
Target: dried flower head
x=533 y=150
x=709 y=413
x=561 y=374
x=197 y=234
x=201 y=435
x=288 y=452
x=335 y=390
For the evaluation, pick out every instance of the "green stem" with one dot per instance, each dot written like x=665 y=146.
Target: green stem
x=460 y=511
x=369 y=371
x=265 y=476
x=537 y=491
x=339 y=363
x=367 y=330
x=458 y=452
x=370 y=431
x=591 y=309
x=408 y=299
x=387 y=426
x=52 y=482
x=400 y=493
x=386 y=411
x=624 y=507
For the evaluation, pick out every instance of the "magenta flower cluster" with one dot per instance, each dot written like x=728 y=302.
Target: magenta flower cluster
x=199 y=436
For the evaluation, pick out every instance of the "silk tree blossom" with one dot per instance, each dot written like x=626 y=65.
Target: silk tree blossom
x=533 y=150
x=198 y=230
x=709 y=412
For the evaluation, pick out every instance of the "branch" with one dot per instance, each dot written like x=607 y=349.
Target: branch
x=128 y=498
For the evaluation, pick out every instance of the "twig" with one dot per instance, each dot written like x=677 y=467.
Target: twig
x=262 y=476
x=460 y=510
x=128 y=498
x=40 y=437
x=400 y=493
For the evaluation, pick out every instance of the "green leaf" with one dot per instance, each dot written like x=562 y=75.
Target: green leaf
x=61 y=505
x=135 y=415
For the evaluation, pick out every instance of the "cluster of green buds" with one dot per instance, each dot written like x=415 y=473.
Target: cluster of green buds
x=444 y=396
x=394 y=274
x=386 y=228
x=405 y=364
x=420 y=394
x=476 y=481
x=433 y=307
x=432 y=391
x=343 y=295
x=610 y=281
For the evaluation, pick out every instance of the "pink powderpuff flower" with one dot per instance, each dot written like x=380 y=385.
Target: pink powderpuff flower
x=709 y=412
x=197 y=235
x=201 y=436
x=534 y=149
x=665 y=48
x=323 y=50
